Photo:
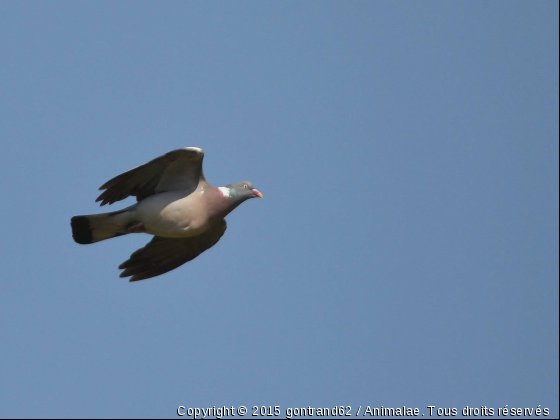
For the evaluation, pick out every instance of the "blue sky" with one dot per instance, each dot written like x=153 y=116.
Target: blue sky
x=406 y=249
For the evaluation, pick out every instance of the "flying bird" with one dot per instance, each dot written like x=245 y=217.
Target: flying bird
x=175 y=204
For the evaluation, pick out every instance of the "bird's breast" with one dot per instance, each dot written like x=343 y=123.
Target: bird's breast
x=172 y=216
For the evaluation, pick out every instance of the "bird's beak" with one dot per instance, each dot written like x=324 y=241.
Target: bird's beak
x=257 y=193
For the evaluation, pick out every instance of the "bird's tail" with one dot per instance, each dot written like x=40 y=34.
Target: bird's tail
x=98 y=227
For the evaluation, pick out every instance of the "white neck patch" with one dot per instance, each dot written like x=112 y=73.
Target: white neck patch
x=225 y=191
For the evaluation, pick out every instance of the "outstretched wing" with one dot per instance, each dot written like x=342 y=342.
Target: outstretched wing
x=177 y=170
x=161 y=255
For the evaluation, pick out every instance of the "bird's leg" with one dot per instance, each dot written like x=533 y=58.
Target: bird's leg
x=136 y=228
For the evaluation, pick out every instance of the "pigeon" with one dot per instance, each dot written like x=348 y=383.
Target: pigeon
x=175 y=203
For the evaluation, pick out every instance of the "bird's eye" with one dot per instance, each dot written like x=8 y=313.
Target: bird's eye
x=245 y=186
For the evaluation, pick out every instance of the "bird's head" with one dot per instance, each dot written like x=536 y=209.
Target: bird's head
x=242 y=190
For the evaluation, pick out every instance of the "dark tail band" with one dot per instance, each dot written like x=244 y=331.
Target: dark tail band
x=81 y=231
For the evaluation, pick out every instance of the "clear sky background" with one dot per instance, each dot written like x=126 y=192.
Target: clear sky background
x=405 y=251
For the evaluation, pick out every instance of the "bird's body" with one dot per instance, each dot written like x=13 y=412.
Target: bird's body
x=175 y=215
x=175 y=204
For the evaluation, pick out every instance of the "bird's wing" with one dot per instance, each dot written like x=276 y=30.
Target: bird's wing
x=161 y=255
x=179 y=169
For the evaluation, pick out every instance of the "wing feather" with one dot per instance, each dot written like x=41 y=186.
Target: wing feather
x=179 y=169
x=161 y=255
